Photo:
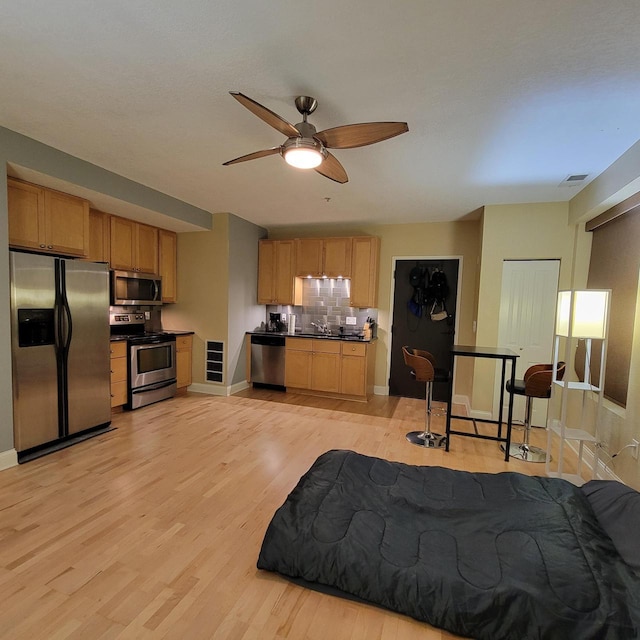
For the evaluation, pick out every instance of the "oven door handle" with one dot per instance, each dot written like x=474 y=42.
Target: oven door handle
x=154 y=386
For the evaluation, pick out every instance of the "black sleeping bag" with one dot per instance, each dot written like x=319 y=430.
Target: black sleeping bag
x=488 y=556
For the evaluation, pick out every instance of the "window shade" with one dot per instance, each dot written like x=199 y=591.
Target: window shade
x=614 y=264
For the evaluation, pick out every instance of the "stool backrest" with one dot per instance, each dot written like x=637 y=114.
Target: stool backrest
x=538 y=378
x=422 y=363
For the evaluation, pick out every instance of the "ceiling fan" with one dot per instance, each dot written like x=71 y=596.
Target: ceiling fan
x=307 y=148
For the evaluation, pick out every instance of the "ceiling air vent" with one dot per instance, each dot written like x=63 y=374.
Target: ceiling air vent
x=574 y=180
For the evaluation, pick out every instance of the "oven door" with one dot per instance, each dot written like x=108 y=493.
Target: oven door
x=152 y=363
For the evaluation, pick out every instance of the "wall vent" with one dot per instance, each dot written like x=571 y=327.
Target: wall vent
x=574 y=179
x=215 y=361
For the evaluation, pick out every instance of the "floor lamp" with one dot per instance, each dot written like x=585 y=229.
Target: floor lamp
x=581 y=314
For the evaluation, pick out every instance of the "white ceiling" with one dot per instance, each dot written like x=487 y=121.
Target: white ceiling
x=504 y=98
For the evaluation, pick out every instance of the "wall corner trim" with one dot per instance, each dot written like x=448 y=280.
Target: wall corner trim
x=8 y=459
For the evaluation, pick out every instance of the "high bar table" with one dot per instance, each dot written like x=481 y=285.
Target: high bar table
x=504 y=355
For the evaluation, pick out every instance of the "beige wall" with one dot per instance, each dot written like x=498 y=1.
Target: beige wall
x=203 y=289
x=217 y=285
x=514 y=232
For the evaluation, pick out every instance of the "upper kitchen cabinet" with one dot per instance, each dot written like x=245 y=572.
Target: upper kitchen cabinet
x=365 y=265
x=46 y=220
x=167 y=242
x=323 y=257
x=134 y=246
x=277 y=283
x=99 y=236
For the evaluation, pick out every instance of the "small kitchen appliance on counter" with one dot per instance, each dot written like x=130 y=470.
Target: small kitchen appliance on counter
x=275 y=323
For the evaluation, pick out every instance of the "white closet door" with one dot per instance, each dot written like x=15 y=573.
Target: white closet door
x=527 y=315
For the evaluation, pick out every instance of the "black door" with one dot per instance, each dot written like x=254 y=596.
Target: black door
x=414 y=327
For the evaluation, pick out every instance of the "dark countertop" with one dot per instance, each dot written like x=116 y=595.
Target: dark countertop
x=315 y=336
x=167 y=331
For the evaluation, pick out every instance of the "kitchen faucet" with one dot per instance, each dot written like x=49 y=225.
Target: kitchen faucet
x=322 y=328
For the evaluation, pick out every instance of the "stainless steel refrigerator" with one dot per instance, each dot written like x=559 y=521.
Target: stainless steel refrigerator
x=60 y=349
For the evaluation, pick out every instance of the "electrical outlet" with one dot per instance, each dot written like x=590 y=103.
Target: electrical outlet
x=350 y=320
x=635 y=445
x=283 y=317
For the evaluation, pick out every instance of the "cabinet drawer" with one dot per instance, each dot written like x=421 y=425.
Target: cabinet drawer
x=299 y=344
x=118 y=370
x=118 y=393
x=351 y=349
x=326 y=346
x=118 y=349
x=183 y=342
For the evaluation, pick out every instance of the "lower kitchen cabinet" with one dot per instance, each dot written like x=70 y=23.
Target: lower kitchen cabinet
x=353 y=369
x=325 y=366
x=119 y=367
x=338 y=368
x=297 y=367
x=184 y=347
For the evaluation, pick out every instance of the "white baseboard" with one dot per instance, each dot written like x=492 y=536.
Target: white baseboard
x=381 y=390
x=218 y=389
x=238 y=386
x=464 y=401
x=480 y=415
x=210 y=389
x=8 y=459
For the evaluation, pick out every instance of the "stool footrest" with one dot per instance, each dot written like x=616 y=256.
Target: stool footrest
x=428 y=440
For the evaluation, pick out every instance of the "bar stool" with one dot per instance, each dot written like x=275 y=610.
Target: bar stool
x=423 y=369
x=536 y=384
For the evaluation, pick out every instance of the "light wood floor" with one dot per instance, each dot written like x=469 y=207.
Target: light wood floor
x=153 y=530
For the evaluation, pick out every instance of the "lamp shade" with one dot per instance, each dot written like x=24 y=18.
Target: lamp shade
x=582 y=314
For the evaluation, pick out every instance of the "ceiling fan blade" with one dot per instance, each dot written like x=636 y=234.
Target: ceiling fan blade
x=360 y=135
x=253 y=156
x=271 y=118
x=332 y=169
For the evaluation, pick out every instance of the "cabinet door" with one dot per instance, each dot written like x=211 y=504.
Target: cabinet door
x=266 y=271
x=297 y=369
x=337 y=257
x=183 y=368
x=146 y=249
x=309 y=253
x=353 y=375
x=364 y=272
x=285 y=272
x=99 y=248
x=325 y=372
x=26 y=215
x=167 y=242
x=66 y=223
x=122 y=243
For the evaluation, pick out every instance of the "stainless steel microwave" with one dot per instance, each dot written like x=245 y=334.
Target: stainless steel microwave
x=134 y=288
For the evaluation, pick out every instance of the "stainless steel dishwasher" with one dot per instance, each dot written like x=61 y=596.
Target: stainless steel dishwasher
x=267 y=360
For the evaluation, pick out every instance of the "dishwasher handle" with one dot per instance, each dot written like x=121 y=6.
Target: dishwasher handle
x=268 y=341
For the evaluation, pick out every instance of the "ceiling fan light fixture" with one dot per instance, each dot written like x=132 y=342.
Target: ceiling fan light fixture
x=303 y=153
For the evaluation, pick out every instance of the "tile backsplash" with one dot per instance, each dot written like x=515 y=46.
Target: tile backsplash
x=325 y=301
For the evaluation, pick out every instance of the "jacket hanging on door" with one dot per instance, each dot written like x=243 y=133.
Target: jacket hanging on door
x=436 y=293
x=419 y=280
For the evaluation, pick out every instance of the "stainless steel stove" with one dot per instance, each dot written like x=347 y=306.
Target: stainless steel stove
x=152 y=359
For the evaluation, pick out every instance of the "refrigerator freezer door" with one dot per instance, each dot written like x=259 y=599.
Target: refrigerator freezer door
x=88 y=363
x=35 y=376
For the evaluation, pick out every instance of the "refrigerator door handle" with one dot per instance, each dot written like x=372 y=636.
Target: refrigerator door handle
x=63 y=312
x=68 y=324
